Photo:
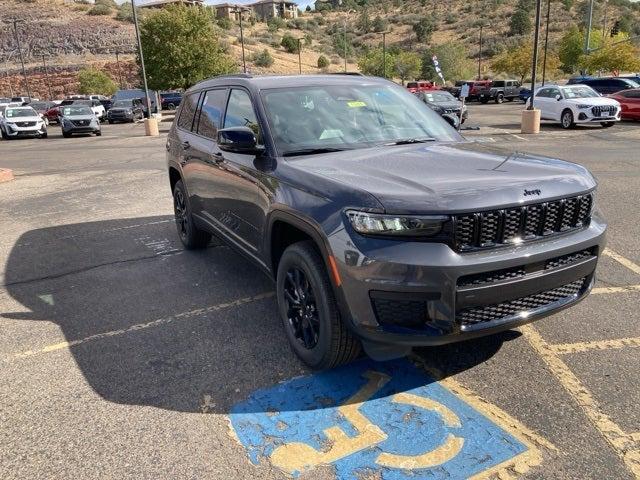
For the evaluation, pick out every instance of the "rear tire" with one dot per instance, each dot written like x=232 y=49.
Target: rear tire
x=4 y=135
x=99 y=133
x=566 y=120
x=500 y=98
x=320 y=339
x=190 y=235
x=484 y=100
x=607 y=124
x=66 y=134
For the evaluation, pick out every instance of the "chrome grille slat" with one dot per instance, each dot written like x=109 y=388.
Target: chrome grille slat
x=503 y=227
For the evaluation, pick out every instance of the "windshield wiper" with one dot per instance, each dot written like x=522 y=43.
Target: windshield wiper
x=312 y=151
x=408 y=141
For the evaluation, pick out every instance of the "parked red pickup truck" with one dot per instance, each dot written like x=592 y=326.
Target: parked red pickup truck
x=414 y=87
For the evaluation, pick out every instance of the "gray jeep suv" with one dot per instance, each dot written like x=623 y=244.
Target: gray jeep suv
x=381 y=226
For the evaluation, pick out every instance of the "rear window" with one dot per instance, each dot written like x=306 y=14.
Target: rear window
x=499 y=83
x=412 y=85
x=188 y=111
x=211 y=113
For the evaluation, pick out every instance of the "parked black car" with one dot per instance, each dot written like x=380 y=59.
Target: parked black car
x=379 y=223
x=140 y=95
x=605 y=85
x=170 y=100
x=126 y=111
x=446 y=105
x=500 y=90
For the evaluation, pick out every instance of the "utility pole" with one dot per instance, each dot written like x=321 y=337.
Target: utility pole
x=587 y=42
x=534 y=67
x=118 y=67
x=384 y=54
x=546 y=43
x=299 y=55
x=238 y=11
x=604 y=19
x=24 y=72
x=46 y=75
x=480 y=54
x=144 y=72
x=345 y=44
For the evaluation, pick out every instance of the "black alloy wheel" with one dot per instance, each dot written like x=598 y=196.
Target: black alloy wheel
x=190 y=235
x=302 y=312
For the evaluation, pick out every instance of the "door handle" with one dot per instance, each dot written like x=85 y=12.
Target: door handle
x=186 y=145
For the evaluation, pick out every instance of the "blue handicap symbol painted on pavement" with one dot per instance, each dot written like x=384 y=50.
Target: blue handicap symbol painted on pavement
x=385 y=417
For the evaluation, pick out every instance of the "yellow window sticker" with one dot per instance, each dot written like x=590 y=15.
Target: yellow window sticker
x=356 y=104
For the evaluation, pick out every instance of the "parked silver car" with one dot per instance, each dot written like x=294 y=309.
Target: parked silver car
x=78 y=119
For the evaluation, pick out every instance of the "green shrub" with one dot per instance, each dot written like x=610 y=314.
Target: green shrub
x=323 y=62
x=125 y=14
x=289 y=43
x=263 y=59
x=99 y=10
x=276 y=23
x=225 y=23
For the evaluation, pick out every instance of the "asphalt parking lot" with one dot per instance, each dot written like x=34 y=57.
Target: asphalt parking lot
x=124 y=356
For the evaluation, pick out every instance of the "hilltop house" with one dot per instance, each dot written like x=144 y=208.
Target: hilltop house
x=266 y=9
x=233 y=11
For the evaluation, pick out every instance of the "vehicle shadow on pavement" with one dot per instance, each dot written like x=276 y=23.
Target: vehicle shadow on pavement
x=151 y=324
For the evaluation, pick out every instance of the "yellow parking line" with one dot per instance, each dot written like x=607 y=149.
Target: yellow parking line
x=625 y=289
x=142 y=326
x=622 y=260
x=625 y=445
x=565 y=348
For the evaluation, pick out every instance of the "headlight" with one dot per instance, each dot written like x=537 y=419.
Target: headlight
x=583 y=106
x=396 y=225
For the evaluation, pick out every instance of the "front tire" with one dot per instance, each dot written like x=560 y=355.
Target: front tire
x=566 y=120
x=190 y=235
x=500 y=98
x=607 y=124
x=309 y=311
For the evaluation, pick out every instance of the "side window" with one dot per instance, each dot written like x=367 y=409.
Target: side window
x=188 y=111
x=543 y=93
x=632 y=94
x=240 y=112
x=211 y=113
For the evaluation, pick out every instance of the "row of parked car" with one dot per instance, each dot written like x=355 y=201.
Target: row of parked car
x=21 y=116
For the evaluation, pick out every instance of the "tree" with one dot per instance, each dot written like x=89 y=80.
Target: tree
x=181 y=47
x=364 y=22
x=520 y=23
x=125 y=13
x=621 y=57
x=571 y=47
x=289 y=43
x=425 y=28
x=323 y=62
x=94 y=81
x=263 y=59
x=517 y=61
x=372 y=63
x=99 y=10
x=407 y=65
x=379 y=24
x=308 y=9
x=453 y=60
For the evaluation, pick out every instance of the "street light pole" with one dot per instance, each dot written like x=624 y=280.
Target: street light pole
x=299 y=55
x=345 y=44
x=480 y=54
x=46 y=76
x=384 y=54
x=534 y=68
x=144 y=72
x=546 y=43
x=589 y=23
x=244 y=63
x=118 y=67
x=24 y=72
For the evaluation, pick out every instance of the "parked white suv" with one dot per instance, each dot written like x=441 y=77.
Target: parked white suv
x=22 y=122
x=573 y=104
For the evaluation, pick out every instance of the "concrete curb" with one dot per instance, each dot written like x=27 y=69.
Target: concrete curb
x=5 y=175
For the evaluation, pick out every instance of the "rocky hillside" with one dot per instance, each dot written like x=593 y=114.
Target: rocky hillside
x=73 y=35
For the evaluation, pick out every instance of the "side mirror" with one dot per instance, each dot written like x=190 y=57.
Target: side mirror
x=238 y=140
x=558 y=97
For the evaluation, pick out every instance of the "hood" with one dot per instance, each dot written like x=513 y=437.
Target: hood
x=593 y=101
x=451 y=104
x=35 y=118
x=449 y=177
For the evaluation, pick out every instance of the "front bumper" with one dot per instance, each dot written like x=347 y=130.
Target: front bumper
x=588 y=116
x=417 y=294
x=14 y=131
x=120 y=117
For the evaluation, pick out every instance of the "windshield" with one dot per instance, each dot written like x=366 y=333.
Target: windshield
x=20 y=112
x=76 y=110
x=580 y=92
x=348 y=117
x=123 y=104
x=439 y=97
x=40 y=105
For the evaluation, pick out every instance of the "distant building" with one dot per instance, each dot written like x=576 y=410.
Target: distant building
x=164 y=3
x=233 y=11
x=266 y=9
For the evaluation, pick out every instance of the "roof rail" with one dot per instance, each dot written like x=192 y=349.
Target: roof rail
x=235 y=75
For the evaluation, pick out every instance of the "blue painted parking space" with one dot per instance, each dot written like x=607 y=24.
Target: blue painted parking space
x=369 y=417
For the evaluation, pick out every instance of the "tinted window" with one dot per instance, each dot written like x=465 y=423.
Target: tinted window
x=188 y=111
x=211 y=113
x=498 y=83
x=240 y=112
x=631 y=94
